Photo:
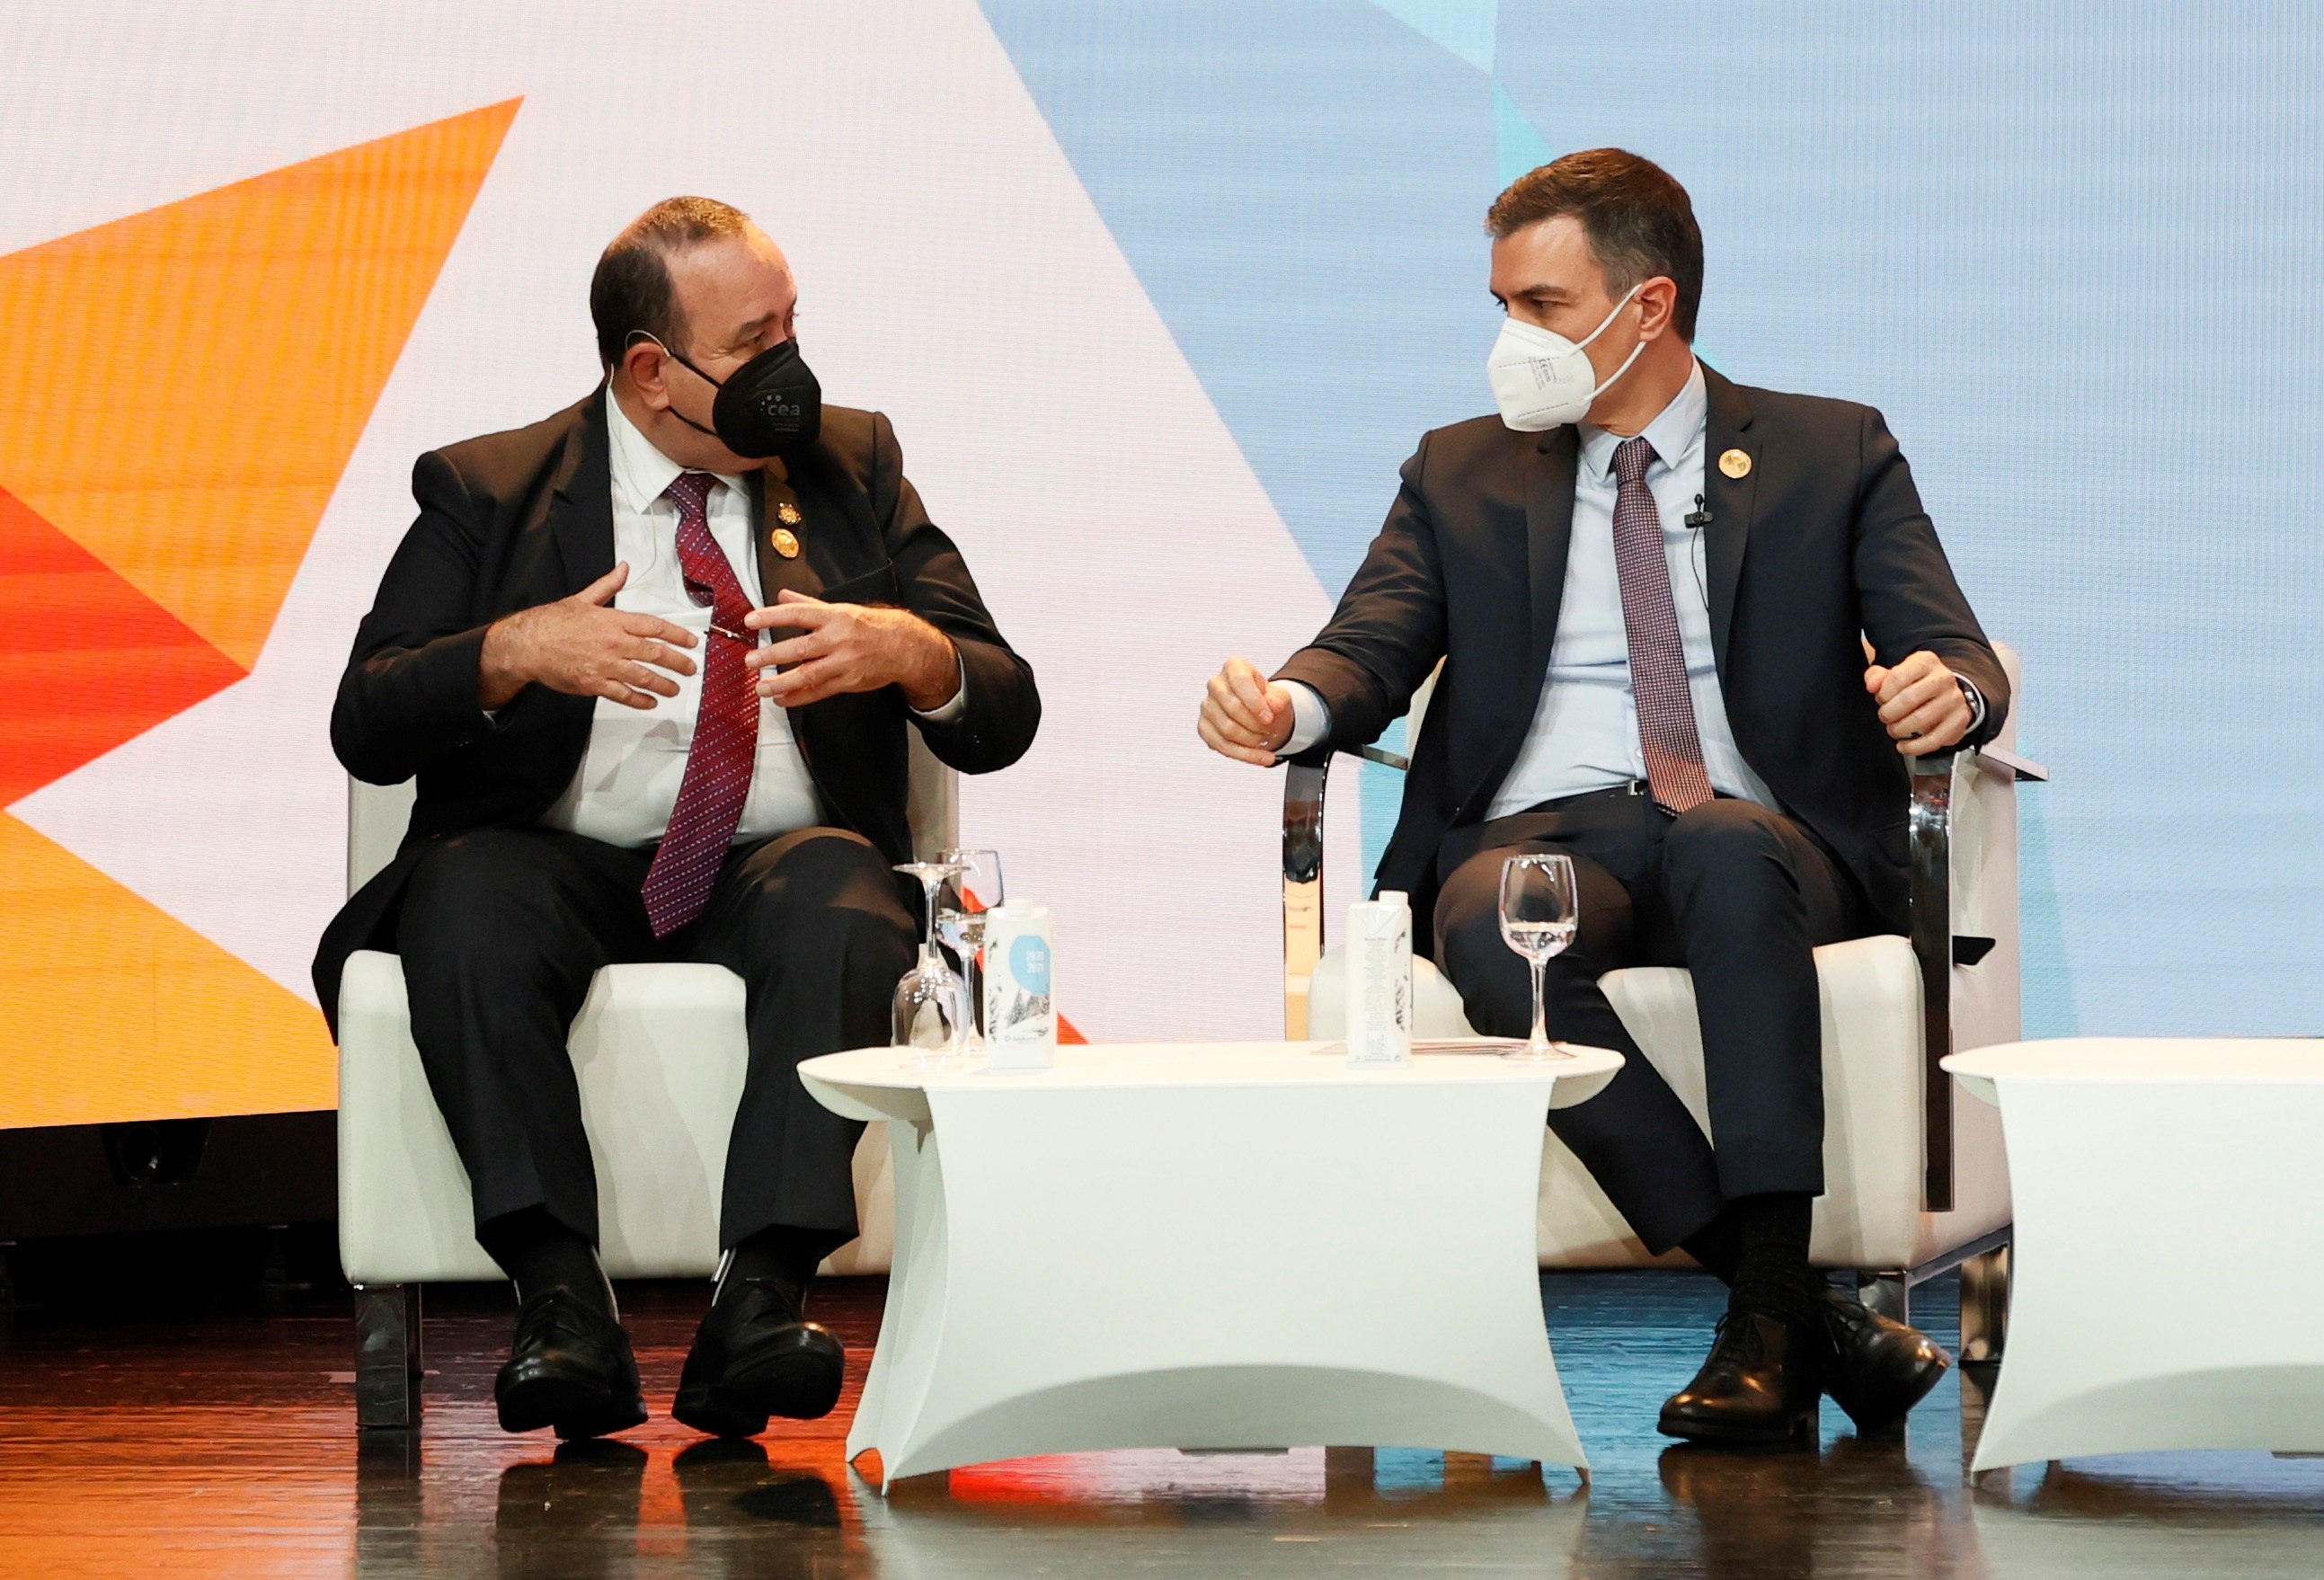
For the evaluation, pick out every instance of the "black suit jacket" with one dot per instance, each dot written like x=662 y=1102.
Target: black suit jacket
x=514 y=520
x=1821 y=544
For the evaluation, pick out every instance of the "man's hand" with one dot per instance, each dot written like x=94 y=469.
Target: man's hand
x=583 y=646
x=1922 y=704
x=841 y=648
x=1244 y=715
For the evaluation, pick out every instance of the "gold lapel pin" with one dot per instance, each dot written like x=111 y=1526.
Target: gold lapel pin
x=787 y=544
x=1735 y=464
x=788 y=513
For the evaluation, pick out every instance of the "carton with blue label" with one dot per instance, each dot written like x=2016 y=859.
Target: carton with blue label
x=1021 y=1005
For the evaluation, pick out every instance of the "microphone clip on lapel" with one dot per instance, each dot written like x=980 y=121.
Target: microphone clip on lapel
x=1698 y=516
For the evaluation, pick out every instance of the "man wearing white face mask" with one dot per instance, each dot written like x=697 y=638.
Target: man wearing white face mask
x=1649 y=588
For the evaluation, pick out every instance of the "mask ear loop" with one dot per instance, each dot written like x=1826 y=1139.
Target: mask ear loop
x=1636 y=351
x=638 y=334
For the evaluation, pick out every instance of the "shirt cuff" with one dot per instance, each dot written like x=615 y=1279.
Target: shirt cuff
x=1310 y=719
x=946 y=711
x=1975 y=703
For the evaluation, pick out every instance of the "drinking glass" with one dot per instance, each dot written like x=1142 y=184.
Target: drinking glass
x=931 y=1005
x=976 y=888
x=1538 y=915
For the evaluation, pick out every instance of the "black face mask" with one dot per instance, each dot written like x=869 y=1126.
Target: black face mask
x=771 y=405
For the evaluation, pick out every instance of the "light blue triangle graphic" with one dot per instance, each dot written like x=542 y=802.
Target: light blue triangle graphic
x=2046 y=972
x=1465 y=27
x=1520 y=148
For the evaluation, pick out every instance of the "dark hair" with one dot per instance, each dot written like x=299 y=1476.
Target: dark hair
x=1638 y=218
x=632 y=289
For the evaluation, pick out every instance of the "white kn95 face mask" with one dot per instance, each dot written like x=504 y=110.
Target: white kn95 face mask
x=1543 y=379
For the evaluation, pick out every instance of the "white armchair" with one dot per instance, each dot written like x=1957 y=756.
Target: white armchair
x=660 y=1051
x=1915 y=1183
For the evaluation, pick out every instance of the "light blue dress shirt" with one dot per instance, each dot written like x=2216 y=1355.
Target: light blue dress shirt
x=1584 y=735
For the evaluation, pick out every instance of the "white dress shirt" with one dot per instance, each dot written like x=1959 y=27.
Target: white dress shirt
x=1584 y=734
x=630 y=776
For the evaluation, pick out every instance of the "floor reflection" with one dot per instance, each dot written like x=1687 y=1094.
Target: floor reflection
x=1169 y=1513
x=225 y=1446
x=2154 y=1514
x=747 y=1516
x=575 y=1514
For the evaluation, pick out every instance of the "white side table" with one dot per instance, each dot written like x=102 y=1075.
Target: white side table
x=1221 y=1245
x=2165 y=1286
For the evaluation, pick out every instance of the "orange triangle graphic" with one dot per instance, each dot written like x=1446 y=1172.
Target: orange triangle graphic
x=188 y=383
x=111 y=1009
x=93 y=661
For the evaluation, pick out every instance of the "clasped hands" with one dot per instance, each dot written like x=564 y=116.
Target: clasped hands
x=1248 y=718
x=584 y=646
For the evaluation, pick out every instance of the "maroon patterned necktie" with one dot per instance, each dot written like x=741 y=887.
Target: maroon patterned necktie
x=725 y=729
x=1674 y=771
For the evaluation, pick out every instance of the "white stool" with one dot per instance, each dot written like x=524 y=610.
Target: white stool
x=2166 y=1283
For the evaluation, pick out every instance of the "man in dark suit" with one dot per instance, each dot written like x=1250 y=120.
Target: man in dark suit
x=653 y=662
x=1652 y=632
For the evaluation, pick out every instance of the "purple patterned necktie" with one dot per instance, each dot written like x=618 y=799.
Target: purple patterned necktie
x=725 y=728
x=1674 y=771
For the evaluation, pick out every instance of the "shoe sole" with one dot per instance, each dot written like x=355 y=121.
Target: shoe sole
x=573 y=1407
x=703 y=1411
x=799 y=1385
x=1725 y=1432
x=1892 y=1416
x=619 y=1418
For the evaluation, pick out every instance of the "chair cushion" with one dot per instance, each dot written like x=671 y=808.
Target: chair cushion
x=660 y=1051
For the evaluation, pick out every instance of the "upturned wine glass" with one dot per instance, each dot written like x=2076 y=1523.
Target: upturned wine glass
x=975 y=888
x=1539 y=911
x=931 y=1005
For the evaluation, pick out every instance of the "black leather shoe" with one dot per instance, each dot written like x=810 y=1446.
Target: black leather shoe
x=754 y=1357
x=571 y=1369
x=1758 y=1384
x=1876 y=1368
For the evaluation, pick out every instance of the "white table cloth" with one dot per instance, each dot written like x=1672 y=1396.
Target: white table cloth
x=2166 y=1289
x=1225 y=1245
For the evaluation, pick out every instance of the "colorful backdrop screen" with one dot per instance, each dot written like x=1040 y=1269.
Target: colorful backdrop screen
x=1159 y=296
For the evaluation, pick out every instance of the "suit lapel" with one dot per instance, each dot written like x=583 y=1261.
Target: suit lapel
x=1549 y=529
x=581 y=508
x=1726 y=431
x=776 y=572
x=1547 y=468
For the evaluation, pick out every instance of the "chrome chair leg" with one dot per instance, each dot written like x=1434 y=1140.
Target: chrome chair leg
x=387 y=1356
x=1985 y=1304
x=1886 y=1293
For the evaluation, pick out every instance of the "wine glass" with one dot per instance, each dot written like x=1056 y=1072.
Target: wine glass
x=976 y=888
x=1538 y=916
x=931 y=1005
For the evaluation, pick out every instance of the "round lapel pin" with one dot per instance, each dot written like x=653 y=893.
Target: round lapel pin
x=1735 y=464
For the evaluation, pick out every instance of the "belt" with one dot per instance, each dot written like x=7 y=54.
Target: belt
x=1627 y=788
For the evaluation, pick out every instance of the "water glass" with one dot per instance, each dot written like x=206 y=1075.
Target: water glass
x=931 y=1006
x=976 y=888
x=1540 y=909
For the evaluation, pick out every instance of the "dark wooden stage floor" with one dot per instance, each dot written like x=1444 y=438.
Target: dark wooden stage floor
x=224 y=1442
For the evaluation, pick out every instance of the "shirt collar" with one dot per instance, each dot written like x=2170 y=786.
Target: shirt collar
x=1671 y=432
x=642 y=473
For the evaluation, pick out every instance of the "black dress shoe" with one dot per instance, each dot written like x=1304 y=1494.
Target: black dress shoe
x=1758 y=1385
x=571 y=1369
x=1874 y=1368
x=754 y=1357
